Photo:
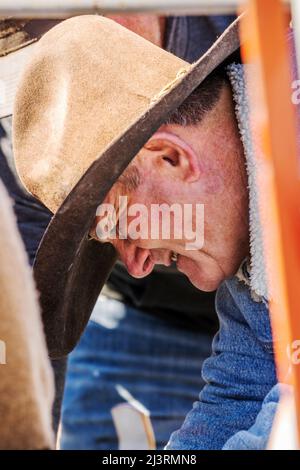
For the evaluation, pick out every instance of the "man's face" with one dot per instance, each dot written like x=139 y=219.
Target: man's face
x=193 y=167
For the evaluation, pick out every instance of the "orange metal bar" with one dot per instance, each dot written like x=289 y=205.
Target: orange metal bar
x=264 y=31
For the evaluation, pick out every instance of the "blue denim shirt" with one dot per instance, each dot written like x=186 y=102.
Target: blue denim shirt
x=239 y=374
x=257 y=437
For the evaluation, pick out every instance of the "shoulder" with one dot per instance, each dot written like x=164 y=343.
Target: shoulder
x=235 y=303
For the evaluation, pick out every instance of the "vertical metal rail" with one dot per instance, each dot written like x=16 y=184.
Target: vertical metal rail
x=273 y=118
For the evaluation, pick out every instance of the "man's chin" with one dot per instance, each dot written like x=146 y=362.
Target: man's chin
x=206 y=280
x=205 y=285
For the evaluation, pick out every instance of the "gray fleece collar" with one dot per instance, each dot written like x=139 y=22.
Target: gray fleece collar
x=252 y=271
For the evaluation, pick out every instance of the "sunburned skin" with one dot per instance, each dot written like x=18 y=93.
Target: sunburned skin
x=201 y=164
x=151 y=27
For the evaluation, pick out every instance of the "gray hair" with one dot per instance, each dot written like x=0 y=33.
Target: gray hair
x=202 y=100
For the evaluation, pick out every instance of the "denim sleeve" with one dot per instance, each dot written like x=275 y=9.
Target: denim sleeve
x=257 y=437
x=239 y=373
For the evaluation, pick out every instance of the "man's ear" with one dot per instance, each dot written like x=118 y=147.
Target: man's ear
x=175 y=155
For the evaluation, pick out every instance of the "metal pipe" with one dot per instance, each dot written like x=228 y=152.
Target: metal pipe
x=274 y=127
x=64 y=8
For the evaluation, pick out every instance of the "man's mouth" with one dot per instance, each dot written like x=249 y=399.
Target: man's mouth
x=164 y=257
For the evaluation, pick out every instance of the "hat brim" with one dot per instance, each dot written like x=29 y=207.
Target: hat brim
x=70 y=268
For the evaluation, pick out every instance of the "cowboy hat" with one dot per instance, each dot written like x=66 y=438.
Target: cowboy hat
x=90 y=97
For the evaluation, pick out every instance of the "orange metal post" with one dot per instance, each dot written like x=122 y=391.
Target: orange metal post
x=264 y=30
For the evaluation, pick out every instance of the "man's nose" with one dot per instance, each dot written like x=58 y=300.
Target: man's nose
x=138 y=261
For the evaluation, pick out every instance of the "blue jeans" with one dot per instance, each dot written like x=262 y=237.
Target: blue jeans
x=158 y=363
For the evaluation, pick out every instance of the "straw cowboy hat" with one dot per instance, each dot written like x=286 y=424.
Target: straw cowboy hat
x=91 y=95
x=26 y=381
